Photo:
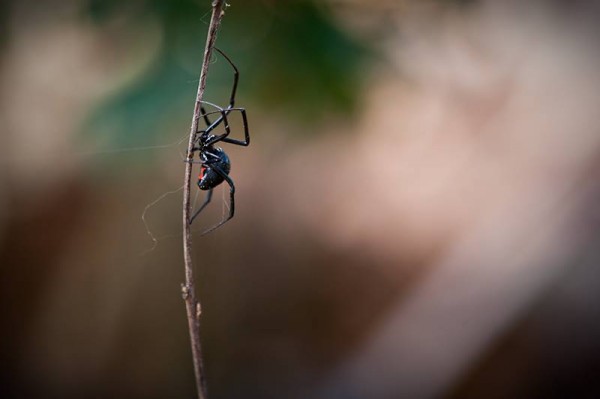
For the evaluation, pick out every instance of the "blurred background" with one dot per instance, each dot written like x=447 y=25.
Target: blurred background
x=417 y=214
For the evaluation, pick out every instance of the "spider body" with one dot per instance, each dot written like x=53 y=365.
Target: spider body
x=214 y=162
x=209 y=178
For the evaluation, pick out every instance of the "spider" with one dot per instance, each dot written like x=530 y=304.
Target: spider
x=214 y=162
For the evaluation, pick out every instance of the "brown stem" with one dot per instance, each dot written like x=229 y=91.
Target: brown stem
x=188 y=291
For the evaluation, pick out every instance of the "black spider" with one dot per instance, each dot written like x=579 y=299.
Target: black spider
x=214 y=162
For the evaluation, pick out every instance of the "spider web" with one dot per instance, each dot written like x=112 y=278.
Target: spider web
x=146 y=214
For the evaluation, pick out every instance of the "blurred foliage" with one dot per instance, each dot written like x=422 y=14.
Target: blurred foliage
x=4 y=20
x=291 y=56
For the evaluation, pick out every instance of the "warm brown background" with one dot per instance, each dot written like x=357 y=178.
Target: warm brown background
x=417 y=214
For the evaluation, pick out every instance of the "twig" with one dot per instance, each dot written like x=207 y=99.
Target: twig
x=188 y=291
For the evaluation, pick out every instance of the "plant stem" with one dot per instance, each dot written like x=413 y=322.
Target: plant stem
x=188 y=291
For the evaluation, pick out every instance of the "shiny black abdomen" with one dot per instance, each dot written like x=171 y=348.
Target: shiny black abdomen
x=209 y=177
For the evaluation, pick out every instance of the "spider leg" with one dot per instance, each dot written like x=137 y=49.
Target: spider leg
x=246 y=140
x=212 y=125
x=231 y=200
x=223 y=137
x=236 y=78
x=205 y=116
x=206 y=201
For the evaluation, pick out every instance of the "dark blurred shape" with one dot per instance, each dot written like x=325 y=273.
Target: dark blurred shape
x=30 y=255
x=554 y=351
